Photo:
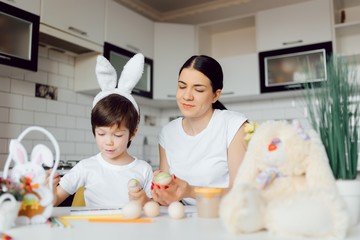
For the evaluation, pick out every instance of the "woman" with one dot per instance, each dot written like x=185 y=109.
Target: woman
x=206 y=146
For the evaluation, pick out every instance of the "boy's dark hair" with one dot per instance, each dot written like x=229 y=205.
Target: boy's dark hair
x=115 y=110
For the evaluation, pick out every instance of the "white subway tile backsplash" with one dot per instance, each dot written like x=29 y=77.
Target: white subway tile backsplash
x=257 y=116
x=83 y=148
x=147 y=130
x=3 y=158
x=89 y=136
x=4 y=115
x=22 y=87
x=84 y=99
x=71 y=83
x=59 y=133
x=294 y=113
x=65 y=95
x=76 y=110
x=66 y=70
x=46 y=65
x=45 y=119
x=9 y=130
x=37 y=77
x=75 y=135
x=66 y=148
x=21 y=116
x=5 y=84
x=83 y=123
x=57 y=80
x=4 y=146
x=34 y=104
x=55 y=107
x=33 y=136
x=63 y=121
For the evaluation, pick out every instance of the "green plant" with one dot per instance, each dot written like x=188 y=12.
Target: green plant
x=333 y=111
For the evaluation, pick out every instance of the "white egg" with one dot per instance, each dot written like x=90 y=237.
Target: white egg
x=132 y=210
x=176 y=210
x=152 y=209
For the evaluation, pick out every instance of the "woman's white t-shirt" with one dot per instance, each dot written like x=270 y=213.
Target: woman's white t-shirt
x=201 y=160
x=106 y=185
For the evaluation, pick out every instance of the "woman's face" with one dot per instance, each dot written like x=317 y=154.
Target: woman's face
x=194 y=93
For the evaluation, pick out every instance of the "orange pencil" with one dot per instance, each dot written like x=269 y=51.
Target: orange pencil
x=138 y=220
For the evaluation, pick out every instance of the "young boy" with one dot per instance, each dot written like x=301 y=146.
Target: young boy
x=114 y=119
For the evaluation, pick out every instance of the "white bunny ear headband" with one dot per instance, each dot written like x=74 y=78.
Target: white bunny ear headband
x=107 y=79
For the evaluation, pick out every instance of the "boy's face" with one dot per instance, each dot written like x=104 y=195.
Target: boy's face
x=112 y=142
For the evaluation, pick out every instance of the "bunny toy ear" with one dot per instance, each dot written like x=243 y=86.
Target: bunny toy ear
x=42 y=154
x=130 y=76
x=17 y=152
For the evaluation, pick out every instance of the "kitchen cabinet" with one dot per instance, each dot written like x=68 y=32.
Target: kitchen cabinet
x=294 y=25
x=81 y=18
x=347 y=27
x=32 y=6
x=241 y=75
x=129 y=30
x=173 y=45
x=233 y=43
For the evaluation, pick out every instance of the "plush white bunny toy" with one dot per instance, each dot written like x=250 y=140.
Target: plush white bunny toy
x=37 y=204
x=285 y=186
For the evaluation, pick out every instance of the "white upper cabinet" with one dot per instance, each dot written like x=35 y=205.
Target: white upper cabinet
x=347 y=26
x=294 y=25
x=241 y=76
x=32 y=6
x=173 y=45
x=233 y=44
x=129 y=30
x=80 y=18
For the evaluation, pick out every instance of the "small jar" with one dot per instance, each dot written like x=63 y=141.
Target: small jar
x=208 y=201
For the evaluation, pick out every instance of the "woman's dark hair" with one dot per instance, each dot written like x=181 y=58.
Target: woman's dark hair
x=211 y=69
x=115 y=110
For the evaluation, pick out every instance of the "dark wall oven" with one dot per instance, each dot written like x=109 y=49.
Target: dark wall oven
x=289 y=68
x=118 y=57
x=19 y=36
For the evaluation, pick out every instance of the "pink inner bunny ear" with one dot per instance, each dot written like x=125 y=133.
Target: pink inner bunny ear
x=17 y=152
x=39 y=160
x=41 y=154
x=20 y=156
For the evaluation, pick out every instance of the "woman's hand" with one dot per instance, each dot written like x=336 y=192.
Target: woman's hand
x=139 y=196
x=177 y=190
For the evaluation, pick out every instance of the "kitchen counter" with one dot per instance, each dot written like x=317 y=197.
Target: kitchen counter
x=190 y=227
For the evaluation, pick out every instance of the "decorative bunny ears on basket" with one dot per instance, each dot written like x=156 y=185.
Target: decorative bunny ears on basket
x=39 y=155
x=107 y=78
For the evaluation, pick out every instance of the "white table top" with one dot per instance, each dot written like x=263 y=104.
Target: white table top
x=163 y=227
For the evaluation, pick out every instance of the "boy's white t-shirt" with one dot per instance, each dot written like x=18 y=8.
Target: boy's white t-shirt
x=106 y=185
x=201 y=160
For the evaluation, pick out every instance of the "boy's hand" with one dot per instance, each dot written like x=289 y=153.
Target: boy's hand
x=56 y=178
x=139 y=196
